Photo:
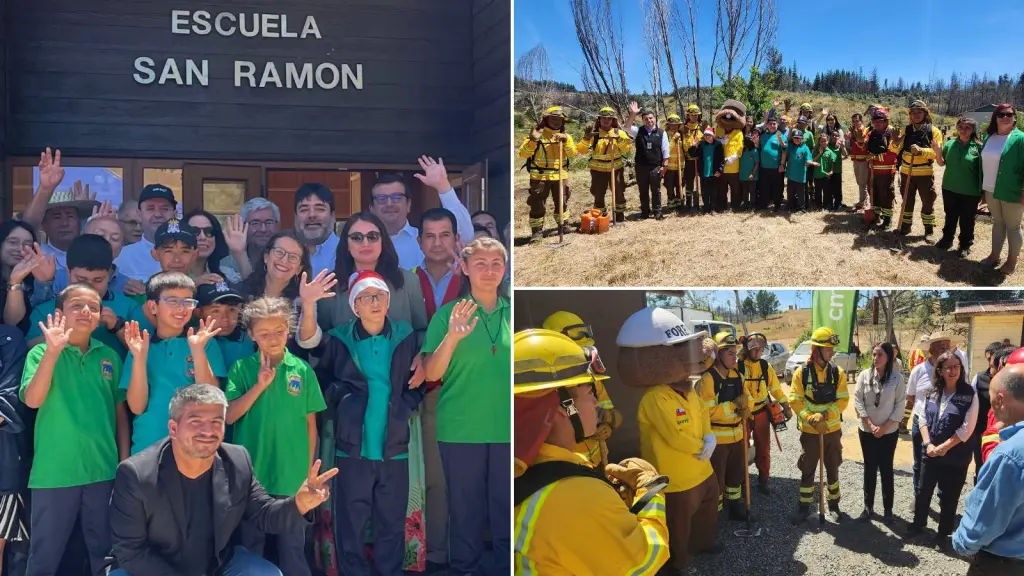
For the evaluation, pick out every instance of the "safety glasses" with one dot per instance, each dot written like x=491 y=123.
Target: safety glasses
x=578 y=331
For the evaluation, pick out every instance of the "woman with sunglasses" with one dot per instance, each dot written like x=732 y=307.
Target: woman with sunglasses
x=212 y=250
x=961 y=184
x=947 y=418
x=1002 y=181
x=879 y=400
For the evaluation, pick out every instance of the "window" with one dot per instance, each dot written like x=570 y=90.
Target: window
x=107 y=183
x=223 y=198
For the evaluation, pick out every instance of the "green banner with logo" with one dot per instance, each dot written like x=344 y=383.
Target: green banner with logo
x=835 y=309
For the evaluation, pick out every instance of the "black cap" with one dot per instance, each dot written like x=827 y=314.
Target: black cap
x=175 y=230
x=155 y=192
x=218 y=293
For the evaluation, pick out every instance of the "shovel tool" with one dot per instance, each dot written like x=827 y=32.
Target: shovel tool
x=747 y=532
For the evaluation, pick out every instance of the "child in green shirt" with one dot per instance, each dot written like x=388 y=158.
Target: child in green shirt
x=273 y=398
x=749 y=169
x=825 y=158
x=834 y=192
x=795 y=160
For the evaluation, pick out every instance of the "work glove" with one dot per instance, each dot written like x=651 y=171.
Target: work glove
x=742 y=410
x=630 y=477
x=815 y=419
x=560 y=137
x=709 y=447
x=536 y=135
x=612 y=417
x=730 y=159
x=589 y=132
x=915 y=149
x=604 y=431
x=787 y=411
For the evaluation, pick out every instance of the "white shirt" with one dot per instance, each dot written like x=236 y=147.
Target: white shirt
x=634 y=130
x=136 y=261
x=963 y=358
x=966 y=429
x=406 y=241
x=990 y=155
x=322 y=257
x=919 y=384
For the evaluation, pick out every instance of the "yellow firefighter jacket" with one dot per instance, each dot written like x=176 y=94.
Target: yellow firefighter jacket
x=672 y=429
x=591 y=449
x=692 y=134
x=759 y=386
x=924 y=161
x=543 y=156
x=725 y=423
x=611 y=145
x=804 y=403
x=579 y=526
x=675 y=147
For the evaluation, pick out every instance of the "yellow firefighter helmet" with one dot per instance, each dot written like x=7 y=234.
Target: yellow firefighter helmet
x=571 y=325
x=545 y=360
x=825 y=338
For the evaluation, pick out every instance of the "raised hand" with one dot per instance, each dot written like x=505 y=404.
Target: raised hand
x=776 y=102
x=134 y=287
x=55 y=333
x=456 y=264
x=81 y=192
x=209 y=278
x=51 y=173
x=104 y=210
x=634 y=108
x=461 y=322
x=207 y=330
x=314 y=491
x=46 y=268
x=29 y=261
x=418 y=375
x=136 y=341
x=824 y=111
x=318 y=288
x=236 y=233
x=434 y=173
x=267 y=371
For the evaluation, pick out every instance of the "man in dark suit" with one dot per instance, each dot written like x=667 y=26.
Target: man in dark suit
x=176 y=504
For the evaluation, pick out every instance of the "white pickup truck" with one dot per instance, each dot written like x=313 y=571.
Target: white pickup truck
x=800 y=355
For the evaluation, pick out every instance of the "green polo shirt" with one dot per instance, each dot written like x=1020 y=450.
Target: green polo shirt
x=235 y=346
x=837 y=166
x=963 y=167
x=169 y=366
x=475 y=401
x=75 y=432
x=119 y=303
x=747 y=161
x=274 y=430
x=796 y=163
x=827 y=161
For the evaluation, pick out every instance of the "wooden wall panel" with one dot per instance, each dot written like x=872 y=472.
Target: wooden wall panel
x=492 y=121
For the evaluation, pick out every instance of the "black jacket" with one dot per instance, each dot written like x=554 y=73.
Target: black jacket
x=147 y=509
x=16 y=428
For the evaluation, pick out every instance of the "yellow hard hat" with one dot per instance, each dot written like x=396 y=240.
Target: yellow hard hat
x=673 y=119
x=572 y=326
x=692 y=109
x=545 y=360
x=806 y=105
x=556 y=111
x=607 y=112
x=825 y=338
x=726 y=339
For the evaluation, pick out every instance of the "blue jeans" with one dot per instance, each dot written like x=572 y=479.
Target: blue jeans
x=243 y=563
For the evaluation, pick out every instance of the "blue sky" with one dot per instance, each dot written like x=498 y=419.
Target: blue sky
x=786 y=297
x=818 y=34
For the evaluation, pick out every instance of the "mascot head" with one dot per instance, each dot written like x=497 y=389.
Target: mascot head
x=655 y=347
x=732 y=116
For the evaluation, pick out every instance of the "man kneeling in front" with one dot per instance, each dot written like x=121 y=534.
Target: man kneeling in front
x=176 y=504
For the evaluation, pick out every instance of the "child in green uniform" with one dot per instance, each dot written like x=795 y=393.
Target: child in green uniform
x=710 y=156
x=364 y=369
x=795 y=160
x=749 y=169
x=273 y=398
x=825 y=158
x=834 y=192
x=172 y=359
x=81 y=431
x=222 y=303
x=90 y=260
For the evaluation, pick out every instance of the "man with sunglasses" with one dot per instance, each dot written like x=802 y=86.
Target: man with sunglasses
x=595 y=446
x=392 y=203
x=818 y=395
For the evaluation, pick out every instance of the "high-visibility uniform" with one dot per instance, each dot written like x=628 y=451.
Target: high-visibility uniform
x=721 y=400
x=591 y=448
x=580 y=526
x=883 y=172
x=672 y=431
x=545 y=173
x=922 y=180
x=673 y=182
x=860 y=155
x=990 y=437
x=916 y=357
x=827 y=394
x=609 y=148
x=760 y=385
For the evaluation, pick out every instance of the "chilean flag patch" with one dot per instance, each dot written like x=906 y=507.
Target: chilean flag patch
x=680 y=412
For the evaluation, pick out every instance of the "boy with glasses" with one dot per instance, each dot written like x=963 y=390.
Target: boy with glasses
x=168 y=359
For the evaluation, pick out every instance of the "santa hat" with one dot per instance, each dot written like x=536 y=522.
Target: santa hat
x=709 y=132
x=360 y=281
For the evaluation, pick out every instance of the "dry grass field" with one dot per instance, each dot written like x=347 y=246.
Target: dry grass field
x=745 y=249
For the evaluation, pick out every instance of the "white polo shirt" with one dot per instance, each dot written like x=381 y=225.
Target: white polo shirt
x=136 y=261
x=919 y=384
x=406 y=241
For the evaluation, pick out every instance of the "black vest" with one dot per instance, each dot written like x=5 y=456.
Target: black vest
x=942 y=428
x=984 y=402
x=763 y=378
x=648 y=147
x=878 y=142
x=820 y=392
x=726 y=389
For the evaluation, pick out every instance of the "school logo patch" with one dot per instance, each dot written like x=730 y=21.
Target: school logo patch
x=107 y=369
x=190 y=367
x=294 y=384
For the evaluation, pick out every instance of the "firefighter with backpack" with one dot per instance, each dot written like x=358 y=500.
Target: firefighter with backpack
x=595 y=446
x=769 y=408
x=570 y=518
x=608 y=145
x=726 y=398
x=691 y=133
x=676 y=149
x=818 y=395
x=541 y=151
x=918 y=146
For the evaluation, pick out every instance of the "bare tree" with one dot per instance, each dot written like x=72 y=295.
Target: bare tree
x=736 y=19
x=739 y=311
x=601 y=42
x=654 y=56
x=663 y=18
x=686 y=28
x=535 y=86
x=766 y=31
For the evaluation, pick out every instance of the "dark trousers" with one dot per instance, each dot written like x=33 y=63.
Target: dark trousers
x=917 y=441
x=748 y=194
x=479 y=479
x=692 y=517
x=769 y=190
x=673 y=192
x=925 y=186
x=884 y=194
x=54 y=511
x=599 y=184
x=796 y=195
x=951 y=480
x=986 y=564
x=729 y=188
x=291 y=547
x=537 y=201
x=960 y=211
x=834 y=191
x=807 y=463
x=728 y=464
x=648 y=180
x=365 y=489
x=878 y=458
x=242 y=563
x=709 y=192
x=816 y=194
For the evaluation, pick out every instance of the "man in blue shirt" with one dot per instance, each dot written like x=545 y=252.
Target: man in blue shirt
x=992 y=529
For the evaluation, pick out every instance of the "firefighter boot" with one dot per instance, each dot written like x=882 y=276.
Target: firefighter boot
x=884 y=223
x=564 y=228
x=620 y=217
x=536 y=234
x=928 y=231
x=739 y=512
x=833 y=512
x=904 y=229
x=762 y=485
x=798 y=517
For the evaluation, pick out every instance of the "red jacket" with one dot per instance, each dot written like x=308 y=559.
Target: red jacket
x=428 y=297
x=990 y=437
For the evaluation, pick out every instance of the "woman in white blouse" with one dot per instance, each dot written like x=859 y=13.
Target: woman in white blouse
x=1002 y=183
x=879 y=401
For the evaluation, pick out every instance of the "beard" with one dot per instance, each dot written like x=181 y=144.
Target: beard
x=313 y=238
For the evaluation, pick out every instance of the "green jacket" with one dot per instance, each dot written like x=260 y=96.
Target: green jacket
x=1010 y=179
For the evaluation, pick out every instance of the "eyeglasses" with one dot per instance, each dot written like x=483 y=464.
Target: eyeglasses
x=14 y=242
x=186 y=303
x=382 y=199
x=204 y=230
x=951 y=368
x=373 y=298
x=270 y=223
x=1006 y=115
x=358 y=237
x=282 y=254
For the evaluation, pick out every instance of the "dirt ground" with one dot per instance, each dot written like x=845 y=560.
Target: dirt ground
x=745 y=249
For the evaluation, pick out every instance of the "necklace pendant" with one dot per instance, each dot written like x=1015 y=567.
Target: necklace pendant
x=494 y=350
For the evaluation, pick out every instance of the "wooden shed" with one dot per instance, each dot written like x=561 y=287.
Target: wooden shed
x=990 y=322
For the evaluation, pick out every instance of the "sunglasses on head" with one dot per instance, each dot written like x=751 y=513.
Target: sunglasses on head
x=358 y=237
